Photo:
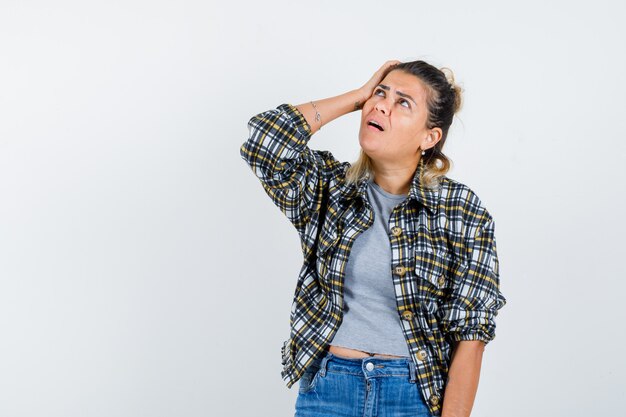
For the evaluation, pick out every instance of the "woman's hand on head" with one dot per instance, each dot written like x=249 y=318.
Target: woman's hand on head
x=368 y=88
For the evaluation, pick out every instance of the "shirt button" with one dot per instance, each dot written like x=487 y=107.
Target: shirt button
x=400 y=270
x=407 y=315
x=397 y=231
x=442 y=280
x=369 y=366
x=434 y=400
x=421 y=355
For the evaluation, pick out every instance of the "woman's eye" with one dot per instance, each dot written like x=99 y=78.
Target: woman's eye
x=402 y=100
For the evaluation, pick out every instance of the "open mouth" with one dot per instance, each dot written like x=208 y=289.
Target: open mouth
x=375 y=125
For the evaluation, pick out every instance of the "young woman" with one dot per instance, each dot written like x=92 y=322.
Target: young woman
x=399 y=289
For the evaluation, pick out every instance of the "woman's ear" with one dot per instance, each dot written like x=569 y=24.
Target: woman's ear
x=435 y=136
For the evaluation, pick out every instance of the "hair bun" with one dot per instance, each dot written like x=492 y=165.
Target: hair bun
x=458 y=90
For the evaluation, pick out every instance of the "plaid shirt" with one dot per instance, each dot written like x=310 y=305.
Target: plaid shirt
x=443 y=251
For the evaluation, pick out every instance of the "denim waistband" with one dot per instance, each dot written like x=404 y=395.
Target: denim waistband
x=369 y=367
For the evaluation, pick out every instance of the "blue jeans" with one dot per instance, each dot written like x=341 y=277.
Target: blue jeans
x=365 y=387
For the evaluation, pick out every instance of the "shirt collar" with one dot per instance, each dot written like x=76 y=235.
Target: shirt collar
x=428 y=197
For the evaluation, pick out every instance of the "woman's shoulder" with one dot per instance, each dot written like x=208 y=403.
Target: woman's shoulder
x=460 y=198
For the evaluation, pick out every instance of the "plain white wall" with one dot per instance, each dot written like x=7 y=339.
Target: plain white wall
x=144 y=271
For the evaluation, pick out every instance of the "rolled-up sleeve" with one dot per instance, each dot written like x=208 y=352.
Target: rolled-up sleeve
x=470 y=311
x=292 y=174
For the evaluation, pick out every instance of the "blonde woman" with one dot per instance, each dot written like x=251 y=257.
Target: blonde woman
x=399 y=290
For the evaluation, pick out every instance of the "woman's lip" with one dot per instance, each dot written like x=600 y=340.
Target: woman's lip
x=374 y=128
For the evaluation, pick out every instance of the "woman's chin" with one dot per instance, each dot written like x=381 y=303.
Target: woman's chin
x=369 y=144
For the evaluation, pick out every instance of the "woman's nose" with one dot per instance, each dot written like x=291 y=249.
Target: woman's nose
x=382 y=106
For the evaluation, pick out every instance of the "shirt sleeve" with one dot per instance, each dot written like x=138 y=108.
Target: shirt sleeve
x=294 y=176
x=470 y=311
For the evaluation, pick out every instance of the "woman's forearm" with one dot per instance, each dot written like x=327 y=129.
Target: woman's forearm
x=463 y=377
x=331 y=108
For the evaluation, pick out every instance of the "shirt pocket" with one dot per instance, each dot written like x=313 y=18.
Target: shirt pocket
x=438 y=271
x=432 y=271
x=328 y=237
x=326 y=245
x=312 y=295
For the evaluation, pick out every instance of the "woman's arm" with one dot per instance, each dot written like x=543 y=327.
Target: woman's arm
x=277 y=151
x=292 y=174
x=469 y=314
x=463 y=377
x=331 y=108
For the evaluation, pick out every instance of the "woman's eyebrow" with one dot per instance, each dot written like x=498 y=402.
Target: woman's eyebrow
x=384 y=87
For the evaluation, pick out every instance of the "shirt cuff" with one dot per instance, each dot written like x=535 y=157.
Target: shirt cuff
x=297 y=117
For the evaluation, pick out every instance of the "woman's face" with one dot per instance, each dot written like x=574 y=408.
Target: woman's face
x=398 y=104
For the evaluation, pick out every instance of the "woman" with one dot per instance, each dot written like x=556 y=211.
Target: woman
x=399 y=288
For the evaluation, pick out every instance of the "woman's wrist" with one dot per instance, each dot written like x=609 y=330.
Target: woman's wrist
x=319 y=113
x=362 y=98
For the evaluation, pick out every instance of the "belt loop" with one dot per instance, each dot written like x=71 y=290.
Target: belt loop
x=412 y=371
x=325 y=360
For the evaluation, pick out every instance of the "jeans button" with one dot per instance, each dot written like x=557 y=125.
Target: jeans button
x=369 y=366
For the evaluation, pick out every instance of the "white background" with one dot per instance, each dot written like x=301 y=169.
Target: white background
x=144 y=271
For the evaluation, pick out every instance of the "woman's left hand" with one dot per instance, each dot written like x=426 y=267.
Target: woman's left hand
x=367 y=89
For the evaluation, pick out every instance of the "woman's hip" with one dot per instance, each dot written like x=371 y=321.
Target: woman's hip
x=371 y=386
